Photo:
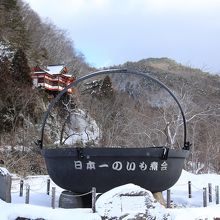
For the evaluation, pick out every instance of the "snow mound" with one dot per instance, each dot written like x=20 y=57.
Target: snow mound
x=130 y=202
x=12 y=211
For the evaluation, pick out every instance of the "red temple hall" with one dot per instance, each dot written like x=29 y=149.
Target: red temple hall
x=53 y=78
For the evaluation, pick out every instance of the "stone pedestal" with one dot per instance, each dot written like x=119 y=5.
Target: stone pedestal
x=70 y=200
x=5 y=185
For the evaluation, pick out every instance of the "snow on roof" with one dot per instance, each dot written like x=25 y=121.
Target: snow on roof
x=53 y=70
x=68 y=75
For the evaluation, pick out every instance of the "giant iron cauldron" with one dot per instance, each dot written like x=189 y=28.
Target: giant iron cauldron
x=80 y=169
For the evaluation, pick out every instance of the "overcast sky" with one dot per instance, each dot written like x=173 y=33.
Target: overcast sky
x=111 y=32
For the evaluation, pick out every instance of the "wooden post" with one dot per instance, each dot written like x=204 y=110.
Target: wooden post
x=210 y=192
x=93 y=199
x=21 y=188
x=189 y=189
x=27 y=197
x=204 y=197
x=217 y=194
x=168 y=198
x=48 y=187
x=53 y=199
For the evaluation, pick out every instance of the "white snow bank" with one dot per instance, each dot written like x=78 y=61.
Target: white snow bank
x=208 y=213
x=179 y=192
x=12 y=211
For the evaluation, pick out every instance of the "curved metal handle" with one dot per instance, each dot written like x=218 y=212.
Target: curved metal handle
x=113 y=71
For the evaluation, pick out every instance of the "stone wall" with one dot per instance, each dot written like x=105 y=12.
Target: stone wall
x=5 y=185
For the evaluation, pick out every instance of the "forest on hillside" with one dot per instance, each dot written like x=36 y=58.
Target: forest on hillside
x=42 y=41
x=26 y=40
x=128 y=110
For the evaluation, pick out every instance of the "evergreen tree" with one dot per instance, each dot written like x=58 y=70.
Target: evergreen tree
x=106 y=88
x=101 y=89
x=6 y=85
x=5 y=77
x=20 y=69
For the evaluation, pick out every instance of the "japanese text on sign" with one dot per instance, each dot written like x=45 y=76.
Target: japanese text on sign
x=118 y=165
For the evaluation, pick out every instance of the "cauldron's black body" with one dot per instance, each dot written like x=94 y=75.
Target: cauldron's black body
x=79 y=170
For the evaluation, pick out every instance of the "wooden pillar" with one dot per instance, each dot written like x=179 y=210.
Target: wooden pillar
x=210 y=192
x=21 y=188
x=53 y=199
x=168 y=198
x=27 y=196
x=204 y=197
x=48 y=187
x=217 y=194
x=93 y=199
x=190 y=189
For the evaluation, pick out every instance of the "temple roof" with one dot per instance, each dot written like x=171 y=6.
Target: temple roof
x=55 y=69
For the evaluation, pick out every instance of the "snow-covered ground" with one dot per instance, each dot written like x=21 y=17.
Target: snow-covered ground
x=184 y=208
x=192 y=208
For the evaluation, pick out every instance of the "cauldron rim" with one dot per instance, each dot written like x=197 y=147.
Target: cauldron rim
x=116 y=152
